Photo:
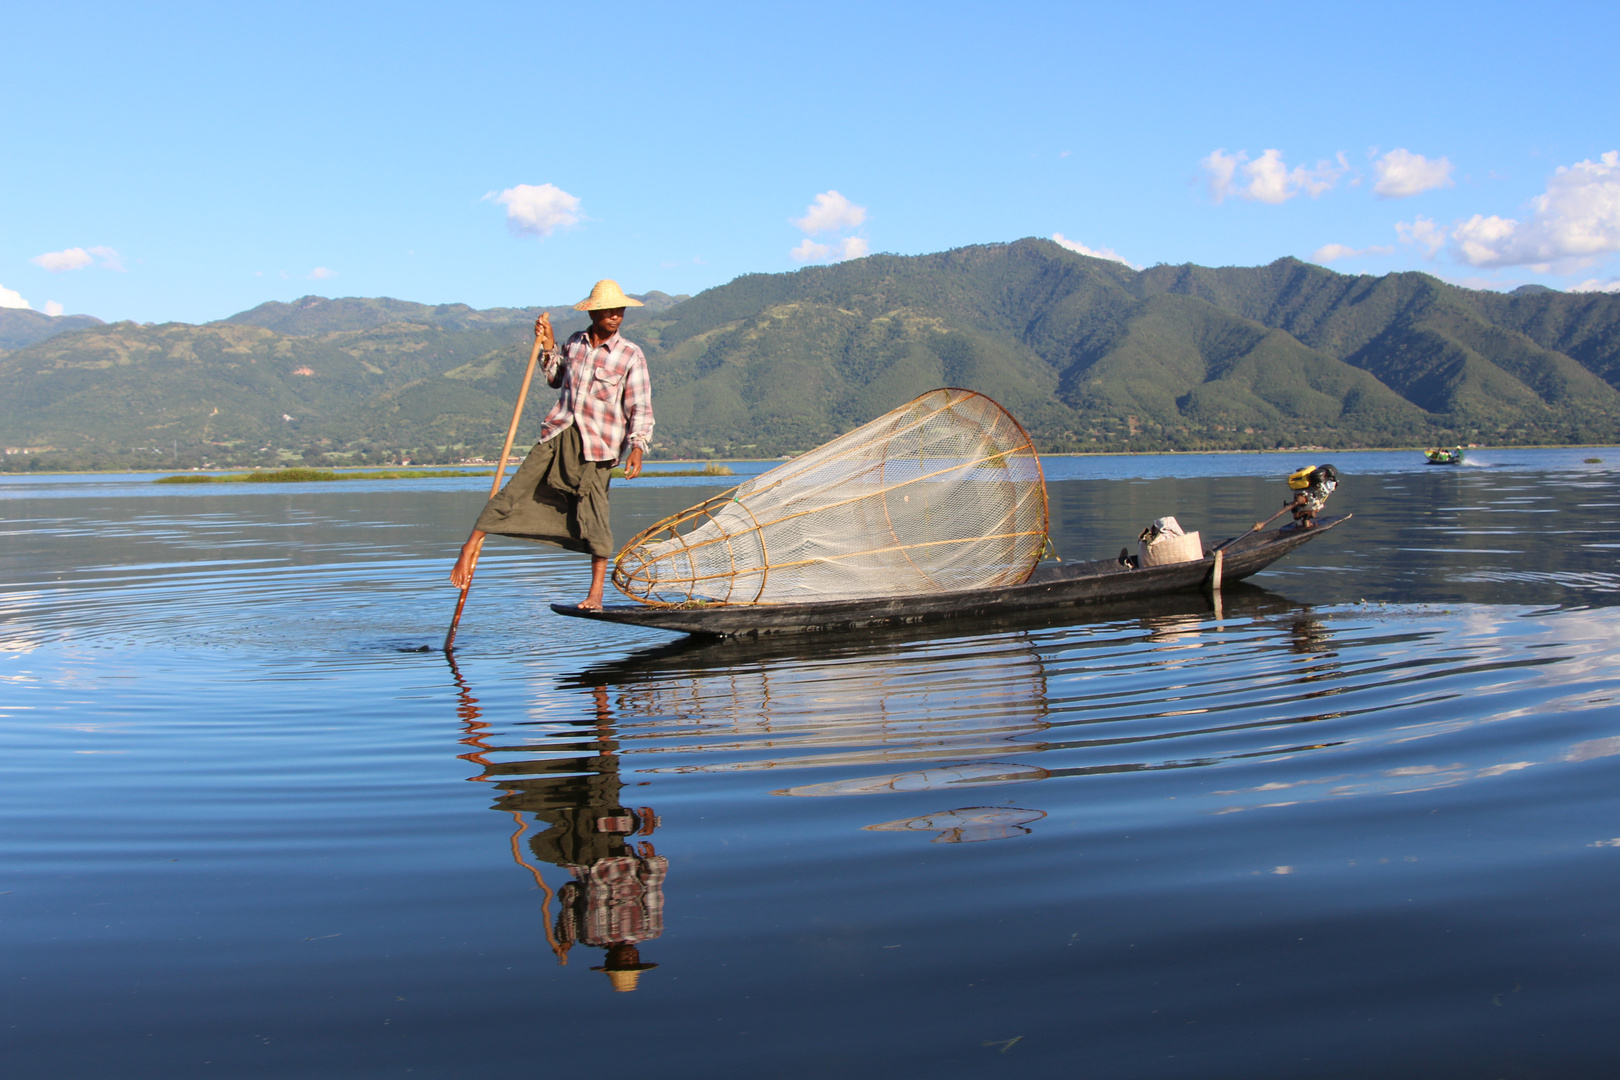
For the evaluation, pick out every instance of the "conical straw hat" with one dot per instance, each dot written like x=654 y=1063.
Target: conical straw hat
x=606 y=294
x=624 y=981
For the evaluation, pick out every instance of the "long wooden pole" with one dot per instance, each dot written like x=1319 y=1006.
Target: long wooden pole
x=1258 y=526
x=495 y=481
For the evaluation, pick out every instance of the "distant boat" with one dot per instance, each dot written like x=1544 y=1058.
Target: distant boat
x=1440 y=456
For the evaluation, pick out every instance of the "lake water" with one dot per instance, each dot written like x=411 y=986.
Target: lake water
x=1362 y=821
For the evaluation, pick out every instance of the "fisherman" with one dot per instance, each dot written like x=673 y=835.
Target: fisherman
x=560 y=492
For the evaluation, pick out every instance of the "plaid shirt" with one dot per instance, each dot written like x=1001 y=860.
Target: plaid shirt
x=605 y=392
x=614 y=900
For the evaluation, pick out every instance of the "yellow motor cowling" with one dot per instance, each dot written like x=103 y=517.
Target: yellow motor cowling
x=1300 y=479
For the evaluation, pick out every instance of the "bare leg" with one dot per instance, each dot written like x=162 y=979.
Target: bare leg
x=461 y=574
x=593 y=599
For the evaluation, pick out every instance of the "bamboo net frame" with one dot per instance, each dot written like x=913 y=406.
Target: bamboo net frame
x=945 y=492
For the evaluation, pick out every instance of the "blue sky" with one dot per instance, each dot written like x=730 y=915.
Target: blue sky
x=187 y=161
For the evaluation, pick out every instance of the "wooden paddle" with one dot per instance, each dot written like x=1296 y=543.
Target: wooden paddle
x=500 y=471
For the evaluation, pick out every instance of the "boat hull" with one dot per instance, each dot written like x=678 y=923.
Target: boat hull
x=1051 y=587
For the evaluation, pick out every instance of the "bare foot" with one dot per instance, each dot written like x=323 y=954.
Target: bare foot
x=593 y=598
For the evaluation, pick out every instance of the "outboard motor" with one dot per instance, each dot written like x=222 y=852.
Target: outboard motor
x=1311 y=486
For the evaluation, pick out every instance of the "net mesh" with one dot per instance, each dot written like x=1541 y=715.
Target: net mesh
x=943 y=493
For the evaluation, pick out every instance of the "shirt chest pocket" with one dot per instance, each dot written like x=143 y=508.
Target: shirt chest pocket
x=606 y=385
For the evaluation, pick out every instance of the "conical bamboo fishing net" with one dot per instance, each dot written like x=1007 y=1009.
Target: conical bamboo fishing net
x=943 y=493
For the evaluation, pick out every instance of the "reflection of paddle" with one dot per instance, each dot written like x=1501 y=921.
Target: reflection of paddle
x=468 y=712
x=1257 y=528
x=559 y=950
x=500 y=472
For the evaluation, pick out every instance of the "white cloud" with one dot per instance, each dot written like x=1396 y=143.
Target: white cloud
x=830 y=212
x=53 y=309
x=1573 y=223
x=1423 y=232
x=1096 y=253
x=1594 y=285
x=59 y=261
x=850 y=247
x=810 y=251
x=1480 y=240
x=11 y=298
x=1222 y=169
x=1268 y=178
x=321 y=273
x=1402 y=173
x=78 y=258
x=537 y=210
x=1333 y=252
x=110 y=259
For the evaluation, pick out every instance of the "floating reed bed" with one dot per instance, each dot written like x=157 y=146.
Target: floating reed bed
x=306 y=476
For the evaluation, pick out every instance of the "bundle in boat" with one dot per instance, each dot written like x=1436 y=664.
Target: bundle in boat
x=943 y=493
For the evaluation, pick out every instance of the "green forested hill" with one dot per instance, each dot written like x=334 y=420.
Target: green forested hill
x=1090 y=354
x=21 y=327
x=1444 y=349
x=1094 y=355
x=124 y=386
x=361 y=377
x=318 y=315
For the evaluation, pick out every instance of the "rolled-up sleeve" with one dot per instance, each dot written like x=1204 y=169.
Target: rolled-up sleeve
x=638 y=413
x=552 y=367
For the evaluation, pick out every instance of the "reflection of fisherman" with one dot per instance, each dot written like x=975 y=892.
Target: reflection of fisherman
x=615 y=903
x=616 y=900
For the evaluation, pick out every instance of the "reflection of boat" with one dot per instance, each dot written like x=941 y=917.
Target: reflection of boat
x=1442 y=456
x=1050 y=588
x=933 y=709
x=891 y=704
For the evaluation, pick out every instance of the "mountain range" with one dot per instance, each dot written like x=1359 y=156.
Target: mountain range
x=21 y=327
x=1090 y=354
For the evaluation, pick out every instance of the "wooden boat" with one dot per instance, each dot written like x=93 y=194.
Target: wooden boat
x=1052 y=587
x=699 y=654
x=1442 y=456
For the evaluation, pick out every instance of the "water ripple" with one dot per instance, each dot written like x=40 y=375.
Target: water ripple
x=1267 y=692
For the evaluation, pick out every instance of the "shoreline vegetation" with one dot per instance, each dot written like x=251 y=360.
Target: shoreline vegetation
x=618 y=473
x=306 y=476
x=712 y=468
